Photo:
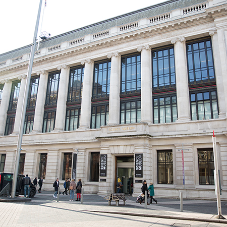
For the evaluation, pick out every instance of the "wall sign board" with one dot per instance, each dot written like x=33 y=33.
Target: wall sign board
x=138 y=165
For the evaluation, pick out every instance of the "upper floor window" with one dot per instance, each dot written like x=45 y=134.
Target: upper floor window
x=131 y=73
x=99 y=115
x=163 y=67
x=101 y=81
x=52 y=88
x=9 y=124
x=49 y=120
x=206 y=166
x=1 y=91
x=72 y=118
x=15 y=91
x=165 y=109
x=200 y=61
x=75 y=84
x=204 y=105
x=28 y=123
x=33 y=91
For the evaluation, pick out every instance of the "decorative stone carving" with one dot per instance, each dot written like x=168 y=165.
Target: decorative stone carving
x=88 y=61
x=212 y=31
x=178 y=39
x=62 y=67
x=115 y=54
x=144 y=47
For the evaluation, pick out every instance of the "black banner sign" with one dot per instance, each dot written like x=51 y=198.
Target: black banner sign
x=138 y=165
x=103 y=165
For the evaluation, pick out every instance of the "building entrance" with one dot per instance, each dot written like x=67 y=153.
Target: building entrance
x=125 y=171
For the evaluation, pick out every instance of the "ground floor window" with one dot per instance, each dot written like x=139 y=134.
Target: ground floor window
x=206 y=166
x=42 y=165
x=67 y=166
x=94 y=166
x=204 y=105
x=49 y=121
x=165 y=109
x=72 y=119
x=165 y=166
x=2 y=162
x=130 y=111
x=21 y=164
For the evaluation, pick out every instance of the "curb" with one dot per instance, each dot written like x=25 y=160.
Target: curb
x=18 y=200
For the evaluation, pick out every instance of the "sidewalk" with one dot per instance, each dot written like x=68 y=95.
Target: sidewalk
x=195 y=210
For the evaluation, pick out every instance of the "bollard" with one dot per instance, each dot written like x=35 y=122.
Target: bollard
x=145 y=206
x=181 y=201
x=58 y=195
x=82 y=195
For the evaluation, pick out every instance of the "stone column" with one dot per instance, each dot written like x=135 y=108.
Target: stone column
x=114 y=98
x=146 y=84
x=62 y=98
x=217 y=46
x=85 y=116
x=40 y=102
x=4 y=105
x=19 y=105
x=183 y=103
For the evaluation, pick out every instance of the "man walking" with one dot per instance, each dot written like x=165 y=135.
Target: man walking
x=27 y=182
x=40 y=184
x=56 y=185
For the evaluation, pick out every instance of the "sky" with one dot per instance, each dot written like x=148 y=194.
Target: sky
x=18 y=17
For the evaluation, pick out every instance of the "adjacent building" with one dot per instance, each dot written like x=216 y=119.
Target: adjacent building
x=136 y=96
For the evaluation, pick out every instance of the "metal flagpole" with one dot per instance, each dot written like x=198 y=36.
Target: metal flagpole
x=24 y=105
x=216 y=178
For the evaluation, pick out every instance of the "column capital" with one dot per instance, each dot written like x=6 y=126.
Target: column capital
x=62 y=67
x=114 y=54
x=144 y=47
x=22 y=77
x=5 y=81
x=212 y=31
x=42 y=72
x=88 y=61
x=178 y=39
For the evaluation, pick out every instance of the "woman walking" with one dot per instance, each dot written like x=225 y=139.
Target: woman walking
x=151 y=190
x=72 y=188
x=78 y=190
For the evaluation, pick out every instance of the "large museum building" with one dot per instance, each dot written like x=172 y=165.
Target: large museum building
x=137 y=96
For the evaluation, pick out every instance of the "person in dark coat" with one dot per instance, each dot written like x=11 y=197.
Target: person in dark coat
x=27 y=183
x=151 y=192
x=56 y=185
x=40 y=184
x=35 y=182
x=144 y=187
x=78 y=190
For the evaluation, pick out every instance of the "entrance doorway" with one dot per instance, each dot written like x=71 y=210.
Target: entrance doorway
x=125 y=171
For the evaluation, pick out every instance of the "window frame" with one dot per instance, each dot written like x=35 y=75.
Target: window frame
x=2 y=162
x=47 y=121
x=94 y=172
x=42 y=165
x=66 y=161
x=94 y=116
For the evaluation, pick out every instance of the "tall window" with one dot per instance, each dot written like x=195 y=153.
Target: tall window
x=165 y=109
x=204 y=105
x=202 y=84
x=15 y=90
x=74 y=98
x=30 y=111
x=2 y=162
x=67 y=166
x=206 y=166
x=164 y=86
x=42 y=165
x=21 y=164
x=1 y=91
x=94 y=166
x=51 y=101
x=130 y=111
x=165 y=167
x=100 y=94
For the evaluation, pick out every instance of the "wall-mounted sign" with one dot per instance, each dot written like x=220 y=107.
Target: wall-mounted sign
x=138 y=165
x=103 y=165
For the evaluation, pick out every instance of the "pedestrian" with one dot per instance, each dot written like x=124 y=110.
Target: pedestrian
x=27 y=183
x=144 y=189
x=67 y=184
x=151 y=192
x=56 y=186
x=40 y=184
x=35 y=182
x=72 y=188
x=78 y=190
x=65 y=187
x=119 y=185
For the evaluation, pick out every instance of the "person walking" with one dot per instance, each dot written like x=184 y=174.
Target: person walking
x=78 y=190
x=56 y=186
x=27 y=183
x=35 y=182
x=119 y=185
x=151 y=192
x=65 y=187
x=72 y=188
x=144 y=189
x=40 y=184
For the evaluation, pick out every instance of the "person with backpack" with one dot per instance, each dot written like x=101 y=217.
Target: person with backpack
x=65 y=187
x=56 y=186
x=78 y=190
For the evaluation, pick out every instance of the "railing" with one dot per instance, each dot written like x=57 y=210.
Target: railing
x=194 y=9
x=160 y=18
x=100 y=34
x=54 y=48
x=75 y=42
x=129 y=26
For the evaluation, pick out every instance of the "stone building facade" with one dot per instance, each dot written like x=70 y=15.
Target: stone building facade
x=137 y=97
